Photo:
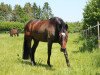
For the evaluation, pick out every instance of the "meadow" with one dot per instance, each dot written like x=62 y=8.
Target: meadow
x=82 y=63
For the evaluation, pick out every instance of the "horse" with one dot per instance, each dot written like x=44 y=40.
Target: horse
x=53 y=30
x=14 y=31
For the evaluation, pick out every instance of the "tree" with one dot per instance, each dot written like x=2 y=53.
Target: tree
x=24 y=14
x=5 y=11
x=91 y=13
x=28 y=11
x=18 y=13
x=90 y=17
x=39 y=13
x=47 y=12
x=35 y=9
x=28 y=8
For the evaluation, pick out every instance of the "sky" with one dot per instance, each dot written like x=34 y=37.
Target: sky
x=68 y=10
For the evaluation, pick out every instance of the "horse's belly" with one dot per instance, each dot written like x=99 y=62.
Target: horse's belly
x=40 y=36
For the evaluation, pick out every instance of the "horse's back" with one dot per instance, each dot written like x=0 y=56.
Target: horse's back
x=39 y=29
x=36 y=25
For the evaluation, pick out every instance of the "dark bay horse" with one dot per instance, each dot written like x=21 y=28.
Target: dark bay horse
x=53 y=30
x=14 y=31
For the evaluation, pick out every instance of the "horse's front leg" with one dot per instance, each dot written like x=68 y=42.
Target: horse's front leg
x=66 y=57
x=49 y=52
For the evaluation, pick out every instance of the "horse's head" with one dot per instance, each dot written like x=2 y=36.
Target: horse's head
x=63 y=37
x=63 y=33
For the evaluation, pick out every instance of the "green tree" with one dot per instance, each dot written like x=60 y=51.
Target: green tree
x=91 y=13
x=18 y=13
x=47 y=12
x=28 y=8
x=90 y=17
x=5 y=11
x=28 y=11
x=39 y=13
x=35 y=9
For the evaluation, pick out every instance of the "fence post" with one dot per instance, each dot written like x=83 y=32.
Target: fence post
x=98 y=34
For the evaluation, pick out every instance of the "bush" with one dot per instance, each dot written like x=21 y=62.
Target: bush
x=89 y=44
x=6 y=26
x=74 y=26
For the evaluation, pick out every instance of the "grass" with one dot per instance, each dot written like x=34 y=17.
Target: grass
x=11 y=62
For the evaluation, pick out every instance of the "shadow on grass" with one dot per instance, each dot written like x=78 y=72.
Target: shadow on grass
x=45 y=66
x=38 y=64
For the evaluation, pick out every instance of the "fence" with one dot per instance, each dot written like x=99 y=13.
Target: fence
x=94 y=30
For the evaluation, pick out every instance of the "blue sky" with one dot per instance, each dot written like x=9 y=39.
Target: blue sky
x=68 y=10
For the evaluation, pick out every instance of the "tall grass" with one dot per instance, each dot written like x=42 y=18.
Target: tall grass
x=11 y=62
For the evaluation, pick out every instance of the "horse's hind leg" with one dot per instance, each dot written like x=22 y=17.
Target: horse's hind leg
x=26 y=47
x=32 y=53
x=49 y=52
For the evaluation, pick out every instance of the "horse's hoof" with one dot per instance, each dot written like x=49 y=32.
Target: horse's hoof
x=49 y=65
x=33 y=63
x=68 y=65
x=48 y=62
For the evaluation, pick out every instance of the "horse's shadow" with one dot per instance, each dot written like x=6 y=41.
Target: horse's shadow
x=38 y=65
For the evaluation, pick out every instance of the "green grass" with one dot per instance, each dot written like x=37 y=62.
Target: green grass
x=11 y=62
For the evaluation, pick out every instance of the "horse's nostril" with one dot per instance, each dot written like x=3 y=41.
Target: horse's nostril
x=62 y=49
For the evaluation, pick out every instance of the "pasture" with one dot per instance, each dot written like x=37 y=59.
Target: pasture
x=11 y=62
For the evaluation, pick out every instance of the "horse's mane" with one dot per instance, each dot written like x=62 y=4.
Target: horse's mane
x=59 y=22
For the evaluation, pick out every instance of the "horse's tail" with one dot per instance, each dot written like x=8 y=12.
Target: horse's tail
x=26 y=48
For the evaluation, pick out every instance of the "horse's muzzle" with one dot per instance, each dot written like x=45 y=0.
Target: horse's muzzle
x=63 y=49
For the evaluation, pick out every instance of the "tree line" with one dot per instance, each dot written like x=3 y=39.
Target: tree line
x=24 y=14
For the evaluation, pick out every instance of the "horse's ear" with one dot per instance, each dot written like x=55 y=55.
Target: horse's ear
x=66 y=26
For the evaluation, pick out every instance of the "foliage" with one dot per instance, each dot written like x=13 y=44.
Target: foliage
x=89 y=44
x=74 y=26
x=6 y=26
x=24 y=14
x=47 y=12
x=5 y=11
x=19 y=13
x=36 y=11
x=90 y=17
x=91 y=13
x=11 y=62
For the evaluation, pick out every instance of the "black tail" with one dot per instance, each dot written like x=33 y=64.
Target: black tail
x=26 y=48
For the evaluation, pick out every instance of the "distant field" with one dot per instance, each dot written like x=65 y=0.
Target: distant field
x=11 y=62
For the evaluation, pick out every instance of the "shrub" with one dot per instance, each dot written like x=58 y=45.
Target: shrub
x=6 y=26
x=74 y=26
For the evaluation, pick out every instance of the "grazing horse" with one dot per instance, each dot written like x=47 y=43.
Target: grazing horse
x=53 y=30
x=14 y=32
